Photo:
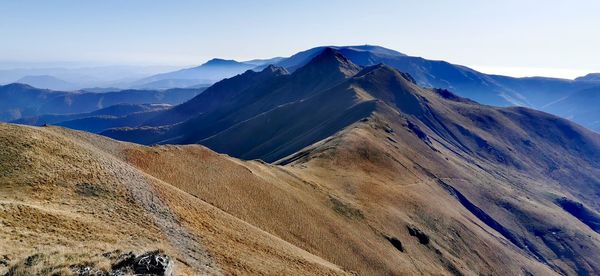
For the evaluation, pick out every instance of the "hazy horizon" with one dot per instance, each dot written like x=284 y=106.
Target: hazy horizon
x=510 y=38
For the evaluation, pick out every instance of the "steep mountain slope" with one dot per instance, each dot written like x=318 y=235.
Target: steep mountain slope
x=221 y=93
x=510 y=168
x=19 y=100
x=315 y=118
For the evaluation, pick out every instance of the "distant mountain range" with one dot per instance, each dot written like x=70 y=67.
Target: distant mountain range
x=535 y=92
x=119 y=115
x=210 y=72
x=19 y=100
x=48 y=82
x=48 y=76
x=344 y=169
x=572 y=99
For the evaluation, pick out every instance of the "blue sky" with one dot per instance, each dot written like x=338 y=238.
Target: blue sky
x=524 y=37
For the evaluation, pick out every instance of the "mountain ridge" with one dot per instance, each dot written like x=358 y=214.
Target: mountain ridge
x=484 y=88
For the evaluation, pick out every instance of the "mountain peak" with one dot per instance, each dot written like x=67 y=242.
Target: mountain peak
x=329 y=53
x=330 y=60
x=220 y=62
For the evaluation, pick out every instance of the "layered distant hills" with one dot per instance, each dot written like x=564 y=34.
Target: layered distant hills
x=546 y=94
x=83 y=110
x=46 y=81
x=534 y=92
x=363 y=169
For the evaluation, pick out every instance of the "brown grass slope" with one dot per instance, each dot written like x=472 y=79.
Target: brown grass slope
x=507 y=167
x=68 y=197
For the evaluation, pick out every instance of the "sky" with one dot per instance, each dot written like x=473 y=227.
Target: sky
x=518 y=38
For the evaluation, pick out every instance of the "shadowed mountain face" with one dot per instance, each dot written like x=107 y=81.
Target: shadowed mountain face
x=20 y=100
x=556 y=96
x=534 y=92
x=238 y=99
x=427 y=73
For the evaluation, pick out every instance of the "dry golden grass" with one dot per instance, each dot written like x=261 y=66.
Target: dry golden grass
x=60 y=191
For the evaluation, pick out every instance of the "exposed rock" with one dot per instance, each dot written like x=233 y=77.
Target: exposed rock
x=152 y=263
x=4 y=261
x=32 y=260
x=396 y=243
x=149 y=263
x=420 y=235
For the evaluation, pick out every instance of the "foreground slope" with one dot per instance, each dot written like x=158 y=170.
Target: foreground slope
x=68 y=198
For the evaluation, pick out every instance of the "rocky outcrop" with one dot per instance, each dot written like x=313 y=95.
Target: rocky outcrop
x=155 y=263
x=149 y=263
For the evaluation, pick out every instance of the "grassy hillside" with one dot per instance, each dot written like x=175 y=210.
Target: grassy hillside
x=68 y=197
